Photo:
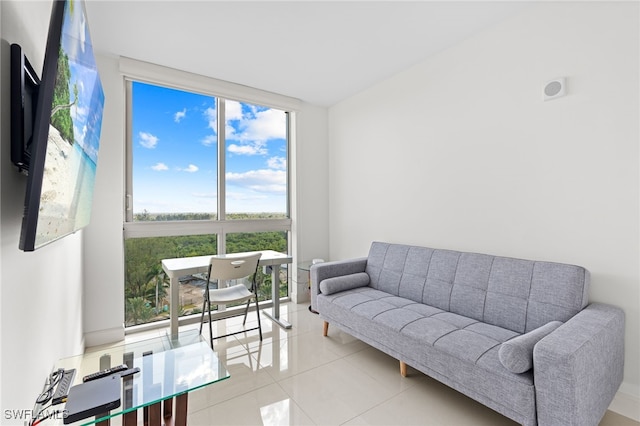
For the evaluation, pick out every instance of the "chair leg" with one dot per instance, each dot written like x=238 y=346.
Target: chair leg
x=246 y=311
x=210 y=327
x=204 y=303
x=259 y=323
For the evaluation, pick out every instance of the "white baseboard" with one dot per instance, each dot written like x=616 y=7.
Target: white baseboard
x=627 y=402
x=102 y=337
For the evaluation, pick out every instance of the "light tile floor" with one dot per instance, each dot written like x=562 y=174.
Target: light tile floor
x=299 y=377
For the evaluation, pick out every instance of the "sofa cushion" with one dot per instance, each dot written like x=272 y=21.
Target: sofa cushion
x=344 y=282
x=517 y=354
x=386 y=323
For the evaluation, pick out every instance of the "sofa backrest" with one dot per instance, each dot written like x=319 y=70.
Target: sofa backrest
x=517 y=294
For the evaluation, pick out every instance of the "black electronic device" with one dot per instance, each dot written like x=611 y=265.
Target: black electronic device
x=128 y=372
x=62 y=390
x=92 y=398
x=57 y=121
x=105 y=373
x=24 y=93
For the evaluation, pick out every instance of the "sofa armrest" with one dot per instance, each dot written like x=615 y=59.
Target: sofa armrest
x=322 y=271
x=578 y=368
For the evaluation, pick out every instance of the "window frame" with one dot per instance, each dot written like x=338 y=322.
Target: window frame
x=132 y=70
x=143 y=72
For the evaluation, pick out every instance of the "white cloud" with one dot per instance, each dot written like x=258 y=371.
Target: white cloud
x=268 y=124
x=209 y=140
x=148 y=140
x=243 y=196
x=251 y=129
x=178 y=116
x=78 y=25
x=279 y=163
x=211 y=115
x=233 y=110
x=205 y=195
x=230 y=132
x=254 y=125
x=159 y=167
x=191 y=168
x=273 y=181
x=254 y=148
x=80 y=110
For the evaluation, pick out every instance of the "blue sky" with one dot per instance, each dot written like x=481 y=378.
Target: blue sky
x=175 y=153
x=87 y=111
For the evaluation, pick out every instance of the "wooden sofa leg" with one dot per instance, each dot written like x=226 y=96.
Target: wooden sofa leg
x=325 y=329
x=403 y=369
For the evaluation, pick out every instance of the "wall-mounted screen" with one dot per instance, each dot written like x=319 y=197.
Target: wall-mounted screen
x=66 y=133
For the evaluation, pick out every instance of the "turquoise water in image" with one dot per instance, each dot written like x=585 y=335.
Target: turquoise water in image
x=67 y=190
x=84 y=188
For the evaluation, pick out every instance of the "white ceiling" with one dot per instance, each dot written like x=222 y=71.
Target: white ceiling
x=318 y=51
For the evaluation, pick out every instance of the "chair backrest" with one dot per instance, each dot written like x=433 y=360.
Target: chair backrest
x=233 y=266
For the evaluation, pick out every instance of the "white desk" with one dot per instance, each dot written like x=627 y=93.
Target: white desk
x=181 y=266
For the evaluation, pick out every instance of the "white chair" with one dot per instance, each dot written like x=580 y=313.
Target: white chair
x=231 y=268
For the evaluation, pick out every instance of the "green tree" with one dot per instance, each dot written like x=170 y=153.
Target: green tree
x=140 y=268
x=138 y=311
x=62 y=103
x=143 y=257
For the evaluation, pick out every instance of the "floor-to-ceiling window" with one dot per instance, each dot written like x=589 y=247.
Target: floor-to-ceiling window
x=206 y=174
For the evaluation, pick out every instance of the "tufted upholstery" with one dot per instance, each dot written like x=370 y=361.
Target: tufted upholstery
x=520 y=295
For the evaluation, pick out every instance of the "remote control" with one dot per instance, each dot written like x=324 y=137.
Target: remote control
x=129 y=372
x=105 y=373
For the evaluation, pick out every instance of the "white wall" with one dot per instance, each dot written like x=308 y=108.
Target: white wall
x=310 y=191
x=41 y=303
x=104 y=246
x=312 y=183
x=461 y=152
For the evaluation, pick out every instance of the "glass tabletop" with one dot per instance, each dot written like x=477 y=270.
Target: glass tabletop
x=306 y=265
x=168 y=368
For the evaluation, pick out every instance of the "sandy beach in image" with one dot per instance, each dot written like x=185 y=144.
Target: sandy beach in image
x=61 y=172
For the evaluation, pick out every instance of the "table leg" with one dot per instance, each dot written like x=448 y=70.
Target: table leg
x=181 y=410
x=174 y=311
x=275 y=298
x=168 y=408
x=153 y=415
x=130 y=418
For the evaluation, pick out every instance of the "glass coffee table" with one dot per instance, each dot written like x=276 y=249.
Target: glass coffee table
x=170 y=368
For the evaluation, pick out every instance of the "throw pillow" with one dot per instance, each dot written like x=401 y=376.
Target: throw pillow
x=516 y=355
x=344 y=282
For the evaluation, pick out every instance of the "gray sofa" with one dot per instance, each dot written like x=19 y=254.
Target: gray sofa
x=519 y=336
